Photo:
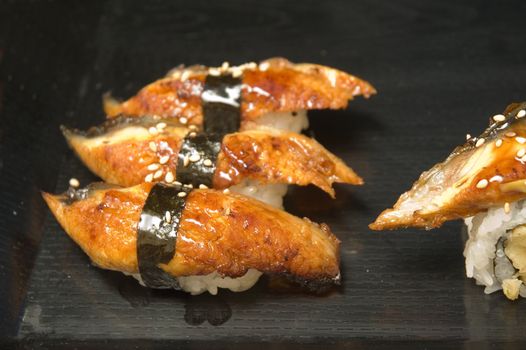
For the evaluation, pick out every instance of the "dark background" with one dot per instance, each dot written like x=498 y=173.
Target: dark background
x=441 y=69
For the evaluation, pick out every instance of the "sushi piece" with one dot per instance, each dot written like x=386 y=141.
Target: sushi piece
x=274 y=93
x=484 y=183
x=170 y=236
x=128 y=151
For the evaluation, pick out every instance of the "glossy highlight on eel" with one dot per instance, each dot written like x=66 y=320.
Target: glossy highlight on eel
x=128 y=151
x=220 y=240
x=484 y=183
x=275 y=92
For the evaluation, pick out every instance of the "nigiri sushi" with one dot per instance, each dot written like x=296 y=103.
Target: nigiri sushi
x=128 y=151
x=195 y=240
x=274 y=93
x=484 y=183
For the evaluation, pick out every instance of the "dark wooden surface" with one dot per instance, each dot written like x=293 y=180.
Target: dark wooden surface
x=441 y=69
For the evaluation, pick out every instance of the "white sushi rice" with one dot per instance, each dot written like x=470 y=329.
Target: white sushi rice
x=211 y=283
x=271 y=194
x=288 y=121
x=484 y=230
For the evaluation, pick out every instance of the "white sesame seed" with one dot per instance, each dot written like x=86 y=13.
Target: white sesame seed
x=225 y=65
x=496 y=178
x=177 y=183
x=169 y=177
x=226 y=191
x=520 y=140
x=480 y=142
x=153 y=167
x=153 y=130
x=161 y=126
x=181 y=194
x=521 y=153
x=153 y=146
x=188 y=185
x=185 y=75
x=164 y=159
x=74 y=182
x=207 y=162
x=264 y=66
x=468 y=136
x=521 y=113
x=482 y=183
x=192 y=134
x=194 y=157
x=168 y=216
x=511 y=134
x=148 y=178
x=203 y=187
x=507 y=207
x=498 y=143
x=186 y=161
x=499 y=118
x=236 y=73
x=158 y=174
x=192 y=127
x=183 y=120
x=214 y=71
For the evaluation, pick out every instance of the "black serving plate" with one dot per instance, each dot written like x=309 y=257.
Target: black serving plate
x=441 y=69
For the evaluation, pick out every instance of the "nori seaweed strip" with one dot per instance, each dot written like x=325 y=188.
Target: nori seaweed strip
x=157 y=234
x=207 y=146
x=221 y=102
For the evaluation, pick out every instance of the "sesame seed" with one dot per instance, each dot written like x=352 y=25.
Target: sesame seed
x=181 y=194
x=207 y=162
x=496 y=178
x=520 y=140
x=168 y=216
x=214 y=71
x=264 y=66
x=521 y=113
x=507 y=208
x=148 y=178
x=226 y=191
x=511 y=134
x=468 y=136
x=194 y=157
x=153 y=146
x=192 y=127
x=185 y=75
x=153 y=130
x=186 y=161
x=74 y=182
x=498 y=143
x=161 y=126
x=169 y=177
x=177 y=183
x=183 y=120
x=164 y=159
x=203 y=187
x=236 y=73
x=480 y=142
x=188 y=185
x=153 y=167
x=225 y=65
x=523 y=159
x=499 y=118
x=521 y=153
x=482 y=183
x=158 y=174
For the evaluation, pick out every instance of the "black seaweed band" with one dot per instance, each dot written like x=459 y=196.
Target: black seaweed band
x=157 y=233
x=221 y=103
x=196 y=163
